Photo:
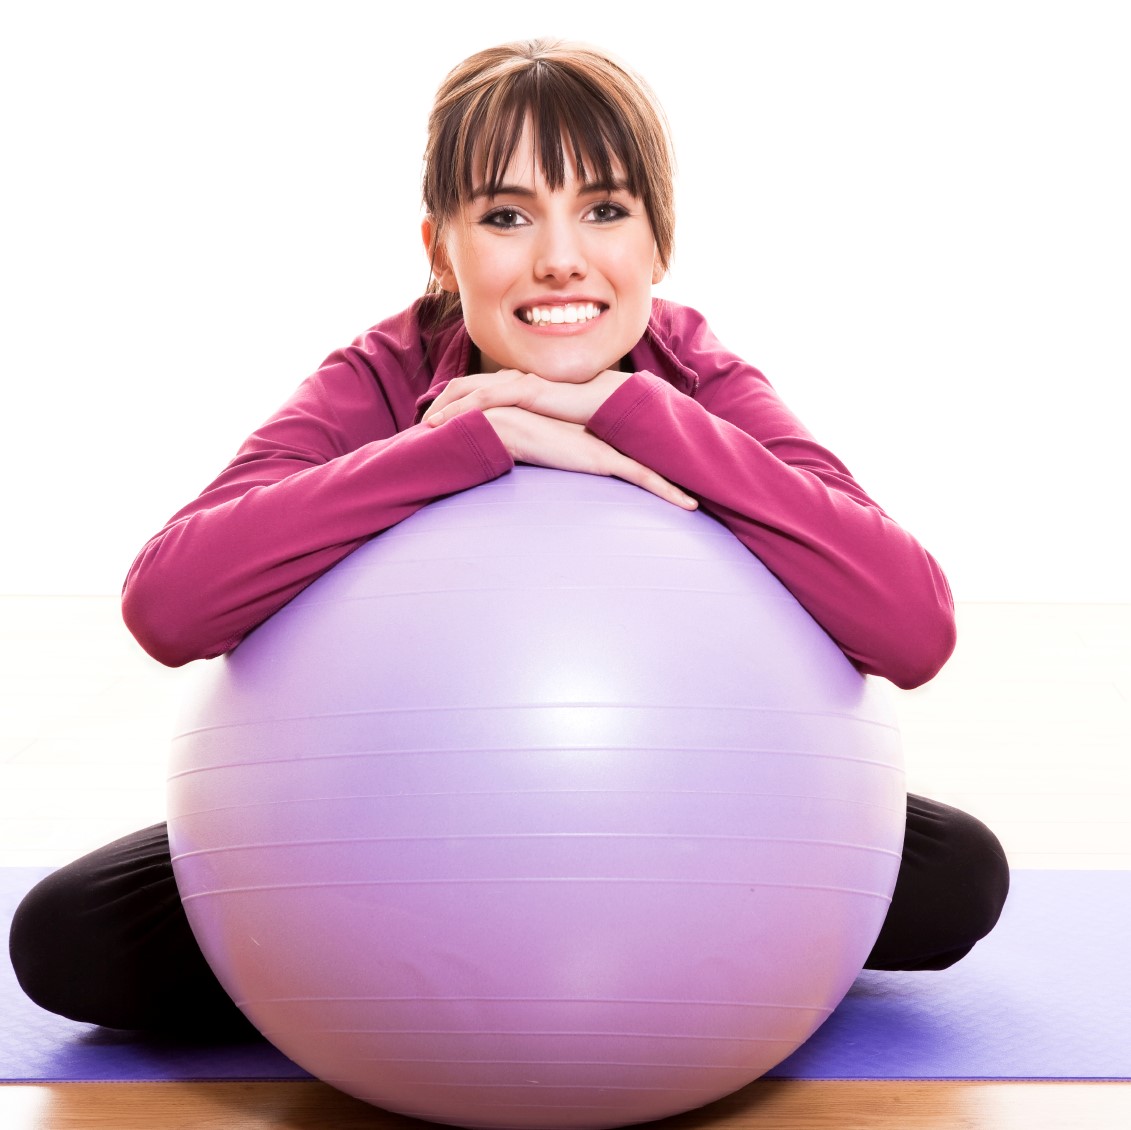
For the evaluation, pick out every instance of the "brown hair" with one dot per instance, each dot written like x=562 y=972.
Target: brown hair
x=574 y=96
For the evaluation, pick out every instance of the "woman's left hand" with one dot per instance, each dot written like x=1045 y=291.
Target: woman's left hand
x=509 y=388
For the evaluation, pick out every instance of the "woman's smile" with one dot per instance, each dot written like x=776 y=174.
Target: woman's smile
x=545 y=315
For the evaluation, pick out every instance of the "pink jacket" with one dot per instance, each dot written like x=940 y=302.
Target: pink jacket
x=346 y=457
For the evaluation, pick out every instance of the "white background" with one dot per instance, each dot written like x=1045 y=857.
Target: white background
x=912 y=216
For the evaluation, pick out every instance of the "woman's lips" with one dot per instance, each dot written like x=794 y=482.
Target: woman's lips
x=560 y=314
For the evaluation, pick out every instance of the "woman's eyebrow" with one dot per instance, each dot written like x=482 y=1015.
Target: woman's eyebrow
x=491 y=191
x=613 y=185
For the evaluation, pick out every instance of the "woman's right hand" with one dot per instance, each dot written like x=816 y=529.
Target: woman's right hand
x=546 y=441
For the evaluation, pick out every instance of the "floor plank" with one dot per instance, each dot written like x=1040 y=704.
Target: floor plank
x=767 y=1105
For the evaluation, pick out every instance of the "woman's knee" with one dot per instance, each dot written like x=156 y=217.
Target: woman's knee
x=963 y=858
x=952 y=886
x=81 y=939
x=43 y=932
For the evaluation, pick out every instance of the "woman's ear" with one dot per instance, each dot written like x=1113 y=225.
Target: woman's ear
x=658 y=269
x=437 y=256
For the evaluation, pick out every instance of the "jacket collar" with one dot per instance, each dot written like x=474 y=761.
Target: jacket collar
x=656 y=353
x=450 y=350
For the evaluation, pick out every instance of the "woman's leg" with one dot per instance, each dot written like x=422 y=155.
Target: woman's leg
x=105 y=940
x=951 y=887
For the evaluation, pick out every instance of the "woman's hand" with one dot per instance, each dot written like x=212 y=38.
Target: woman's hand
x=509 y=388
x=543 y=423
x=545 y=441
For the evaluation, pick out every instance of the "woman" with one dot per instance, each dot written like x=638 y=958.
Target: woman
x=548 y=190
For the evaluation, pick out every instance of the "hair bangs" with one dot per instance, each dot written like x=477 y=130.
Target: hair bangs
x=573 y=128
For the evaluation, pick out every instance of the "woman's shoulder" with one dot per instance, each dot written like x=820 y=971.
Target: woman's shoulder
x=684 y=330
x=404 y=340
x=681 y=345
x=673 y=321
x=396 y=361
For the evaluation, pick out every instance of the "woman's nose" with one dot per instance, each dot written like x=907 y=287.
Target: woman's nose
x=560 y=254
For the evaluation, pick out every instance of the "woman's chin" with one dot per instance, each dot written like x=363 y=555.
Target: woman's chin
x=562 y=365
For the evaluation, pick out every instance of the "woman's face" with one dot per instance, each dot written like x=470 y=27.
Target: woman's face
x=557 y=283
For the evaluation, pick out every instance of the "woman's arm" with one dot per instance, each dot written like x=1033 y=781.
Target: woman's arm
x=733 y=444
x=324 y=474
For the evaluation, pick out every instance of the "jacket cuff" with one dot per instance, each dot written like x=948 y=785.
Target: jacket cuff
x=483 y=443
x=624 y=403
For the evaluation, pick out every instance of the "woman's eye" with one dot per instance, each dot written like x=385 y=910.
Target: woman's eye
x=504 y=218
x=607 y=212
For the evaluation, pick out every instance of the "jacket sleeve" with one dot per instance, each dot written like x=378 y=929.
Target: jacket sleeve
x=323 y=475
x=736 y=447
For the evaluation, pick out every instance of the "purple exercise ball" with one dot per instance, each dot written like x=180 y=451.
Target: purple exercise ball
x=547 y=807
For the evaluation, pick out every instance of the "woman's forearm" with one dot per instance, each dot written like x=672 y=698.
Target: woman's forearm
x=272 y=524
x=863 y=578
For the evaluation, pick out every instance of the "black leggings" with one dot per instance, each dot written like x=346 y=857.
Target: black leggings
x=105 y=940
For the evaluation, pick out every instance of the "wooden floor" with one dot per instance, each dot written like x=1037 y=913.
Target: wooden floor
x=1029 y=727
x=767 y=1105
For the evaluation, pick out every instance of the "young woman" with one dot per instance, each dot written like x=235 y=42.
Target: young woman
x=548 y=191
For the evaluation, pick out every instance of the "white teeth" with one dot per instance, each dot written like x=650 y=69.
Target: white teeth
x=558 y=315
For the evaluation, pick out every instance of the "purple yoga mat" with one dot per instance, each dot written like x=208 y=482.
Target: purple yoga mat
x=1046 y=996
